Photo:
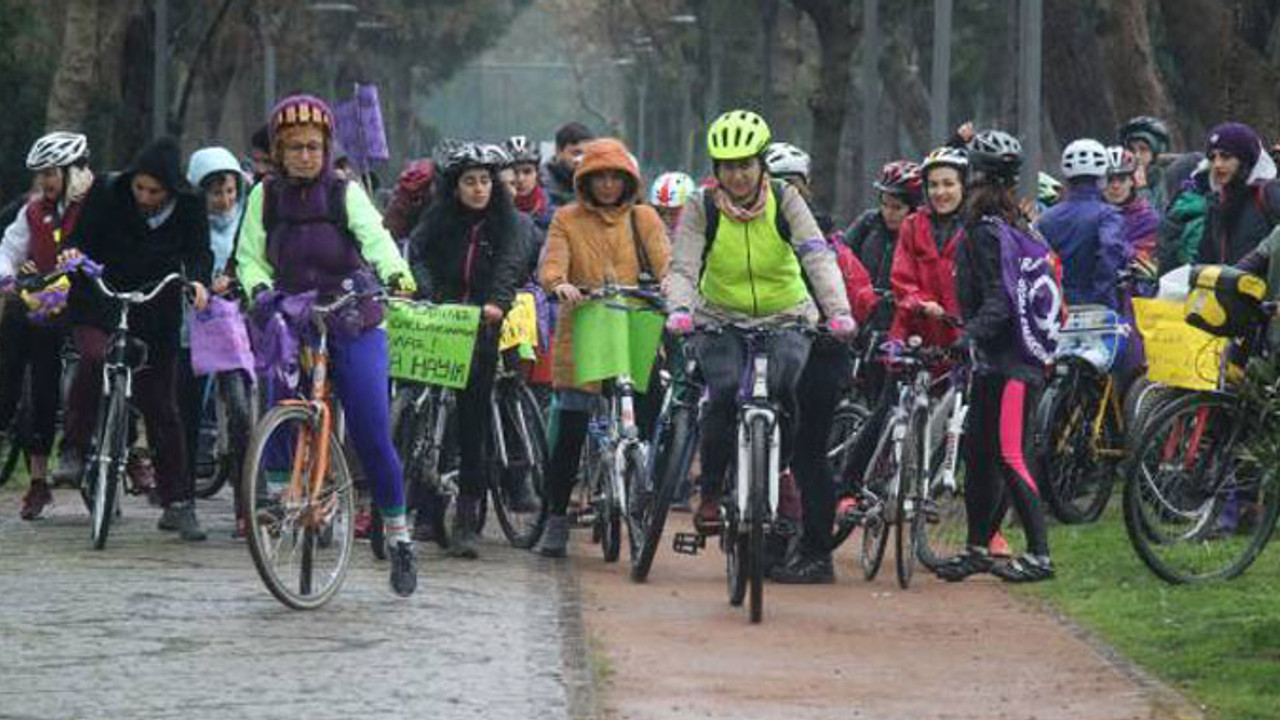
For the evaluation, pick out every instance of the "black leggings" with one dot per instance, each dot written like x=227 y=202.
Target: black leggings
x=23 y=345
x=822 y=384
x=995 y=460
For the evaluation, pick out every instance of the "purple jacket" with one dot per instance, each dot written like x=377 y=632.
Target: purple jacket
x=1087 y=234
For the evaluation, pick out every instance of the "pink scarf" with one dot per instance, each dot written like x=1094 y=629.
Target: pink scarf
x=738 y=212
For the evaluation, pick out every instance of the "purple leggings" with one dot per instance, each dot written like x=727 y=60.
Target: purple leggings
x=360 y=371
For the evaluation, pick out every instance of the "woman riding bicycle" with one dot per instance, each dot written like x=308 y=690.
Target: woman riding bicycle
x=606 y=238
x=467 y=251
x=743 y=252
x=60 y=161
x=1002 y=378
x=141 y=225
x=307 y=230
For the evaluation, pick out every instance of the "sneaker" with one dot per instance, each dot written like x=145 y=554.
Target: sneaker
x=181 y=518
x=363 y=523
x=404 y=569
x=466 y=522
x=555 y=538
x=38 y=497
x=1025 y=569
x=971 y=562
x=707 y=519
x=999 y=547
x=804 y=570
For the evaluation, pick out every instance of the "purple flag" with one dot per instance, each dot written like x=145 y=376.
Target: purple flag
x=360 y=129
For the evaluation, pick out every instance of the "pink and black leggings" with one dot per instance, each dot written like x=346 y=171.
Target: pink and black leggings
x=996 y=461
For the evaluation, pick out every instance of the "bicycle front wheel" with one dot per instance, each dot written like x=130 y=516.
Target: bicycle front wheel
x=107 y=463
x=300 y=537
x=1199 y=505
x=519 y=488
x=669 y=464
x=909 y=521
x=758 y=502
x=1078 y=475
x=880 y=480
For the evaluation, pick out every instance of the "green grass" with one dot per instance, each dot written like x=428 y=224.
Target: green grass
x=1218 y=644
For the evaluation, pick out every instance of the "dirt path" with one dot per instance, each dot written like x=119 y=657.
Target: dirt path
x=676 y=649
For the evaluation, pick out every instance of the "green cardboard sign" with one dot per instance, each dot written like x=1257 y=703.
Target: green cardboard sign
x=432 y=344
x=610 y=341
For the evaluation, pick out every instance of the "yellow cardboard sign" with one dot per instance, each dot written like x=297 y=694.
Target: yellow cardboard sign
x=1178 y=354
x=520 y=327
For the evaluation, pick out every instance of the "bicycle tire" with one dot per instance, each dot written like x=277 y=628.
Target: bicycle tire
x=846 y=424
x=759 y=505
x=875 y=528
x=1078 y=481
x=521 y=408
x=236 y=404
x=634 y=476
x=1156 y=494
x=424 y=477
x=910 y=484
x=111 y=450
x=10 y=453
x=609 y=516
x=673 y=457
x=267 y=514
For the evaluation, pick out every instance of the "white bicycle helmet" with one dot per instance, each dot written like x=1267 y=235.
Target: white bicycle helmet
x=1085 y=157
x=57 y=149
x=522 y=150
x=1120 y=161
x=671 y=190
x=787 y=159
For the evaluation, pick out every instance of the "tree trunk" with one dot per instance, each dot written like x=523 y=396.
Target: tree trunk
x=1074 y=78
x=910 y=97
x=836 y=36
x=1136 y=85
x=73 y=82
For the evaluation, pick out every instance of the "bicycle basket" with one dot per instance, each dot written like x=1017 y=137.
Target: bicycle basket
x=1095 y=333
x=1224 y=301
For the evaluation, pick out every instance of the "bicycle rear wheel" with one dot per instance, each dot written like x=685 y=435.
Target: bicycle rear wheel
x=668 y=465
x=106 y=463
x=1199 y=504
x=846 y=424
x=519 y=489
x=300 y=546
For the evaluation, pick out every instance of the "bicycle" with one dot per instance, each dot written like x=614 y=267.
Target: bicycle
x=298 y=488
x=104 y=475
x=1201 y=494
x=1080 y=423
x=423 y=426
x=616 y=457
x=675 y=437
x=749 y=505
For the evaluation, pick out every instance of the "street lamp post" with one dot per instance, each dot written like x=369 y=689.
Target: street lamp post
x=160 y=89
x=941 y=81
x=1032 y=19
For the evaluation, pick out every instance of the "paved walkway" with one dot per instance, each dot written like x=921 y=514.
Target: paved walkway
x=154 y=628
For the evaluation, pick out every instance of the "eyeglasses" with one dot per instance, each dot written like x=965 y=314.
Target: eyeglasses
x=312 y=148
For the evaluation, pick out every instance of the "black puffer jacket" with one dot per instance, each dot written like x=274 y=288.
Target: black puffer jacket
x=463 y=256
x=112 y=231
x=873 y=242
x=1238 y=220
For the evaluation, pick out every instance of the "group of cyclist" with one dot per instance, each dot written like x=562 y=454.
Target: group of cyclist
x=744 y=248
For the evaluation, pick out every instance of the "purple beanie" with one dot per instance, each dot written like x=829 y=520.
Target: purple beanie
x=1237 y=139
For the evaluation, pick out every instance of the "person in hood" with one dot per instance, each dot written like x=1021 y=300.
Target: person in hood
x=141 y=225
x=605 y=237
x=1244 y=195
x=60 y=161
x=305 y=229
x=467 y=250
x=216 y=174
x=559 y=172
x=1084 y=230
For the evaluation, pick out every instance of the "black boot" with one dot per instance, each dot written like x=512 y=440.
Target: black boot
x=466 y=524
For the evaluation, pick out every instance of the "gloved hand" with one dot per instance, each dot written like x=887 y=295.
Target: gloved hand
x=402 y=285
x=842 y=327
x=680 y=322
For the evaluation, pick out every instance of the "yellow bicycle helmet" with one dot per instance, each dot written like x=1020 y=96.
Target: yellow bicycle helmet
x=736 y=135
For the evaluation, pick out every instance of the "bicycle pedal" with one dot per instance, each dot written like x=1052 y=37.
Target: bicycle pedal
x=688 y=543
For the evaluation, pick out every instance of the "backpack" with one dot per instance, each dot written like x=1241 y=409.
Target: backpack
x=1032 y=278
x=712 y=214
x=337 y=208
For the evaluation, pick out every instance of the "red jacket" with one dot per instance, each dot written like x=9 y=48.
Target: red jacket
x=857 y=282
x=920 y=274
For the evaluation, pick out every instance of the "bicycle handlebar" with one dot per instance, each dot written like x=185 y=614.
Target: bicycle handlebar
x=137 y=297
